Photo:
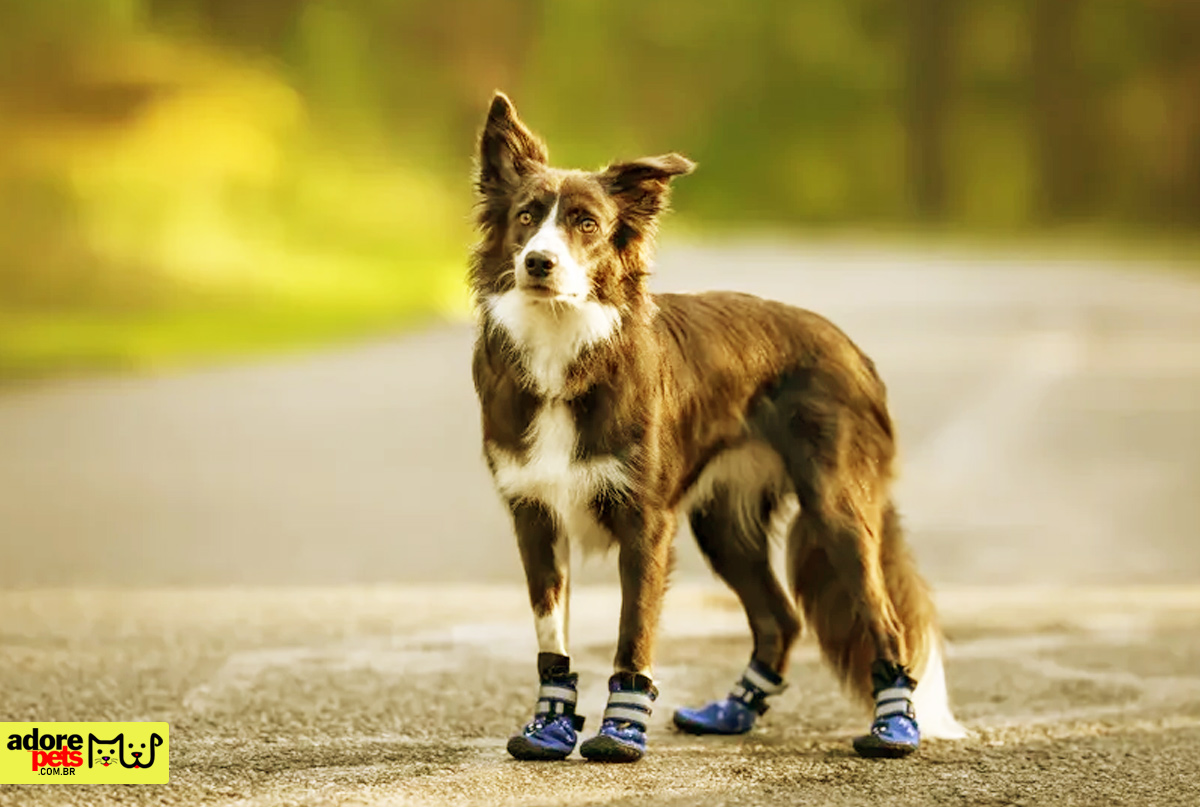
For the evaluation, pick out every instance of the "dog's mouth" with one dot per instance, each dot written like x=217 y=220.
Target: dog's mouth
x=539 y=290
x=544 y=292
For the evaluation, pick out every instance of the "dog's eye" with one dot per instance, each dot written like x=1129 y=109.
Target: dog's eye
x=588 y=225
x=525 y=217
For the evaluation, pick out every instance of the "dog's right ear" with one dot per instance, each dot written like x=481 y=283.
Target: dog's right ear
x=508 y=151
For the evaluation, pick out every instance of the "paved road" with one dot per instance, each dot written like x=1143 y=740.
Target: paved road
x=405 y=696
x=1049 y=414
x=366 y=639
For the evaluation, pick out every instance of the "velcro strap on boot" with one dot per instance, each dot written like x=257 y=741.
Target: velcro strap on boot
x=630 y=706
x=893 y=701
x=755 y=687
x=556 y=699
x=557 y=694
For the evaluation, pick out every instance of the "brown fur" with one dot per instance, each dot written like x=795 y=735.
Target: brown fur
x=683 y=379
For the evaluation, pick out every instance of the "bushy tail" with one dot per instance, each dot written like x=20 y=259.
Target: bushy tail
x=842 y=634
x=914 y=604
x=931 y=700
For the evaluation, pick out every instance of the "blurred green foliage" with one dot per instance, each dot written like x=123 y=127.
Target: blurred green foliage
x=190 y=177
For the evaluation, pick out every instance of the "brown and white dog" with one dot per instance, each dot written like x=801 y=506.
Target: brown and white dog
x=609 y=411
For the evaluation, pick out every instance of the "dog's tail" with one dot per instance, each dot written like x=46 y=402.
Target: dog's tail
x=843 y=636
x=835 y=437
x=930 y=699
x=914 y=604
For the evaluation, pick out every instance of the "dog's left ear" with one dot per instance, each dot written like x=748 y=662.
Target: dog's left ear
x=641 y=189
x=623 y=178
x=508 y=151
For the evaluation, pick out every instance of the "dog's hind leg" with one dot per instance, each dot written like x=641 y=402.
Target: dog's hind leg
x=831 y=426
x=840 y=579
x=552 y=733
x=846 y=638
x=740 y=553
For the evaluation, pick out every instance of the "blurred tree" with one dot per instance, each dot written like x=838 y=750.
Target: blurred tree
x=314 y=154
x=1064 y=124
x=1177 y=36
x=928 y=81
x=261 y=25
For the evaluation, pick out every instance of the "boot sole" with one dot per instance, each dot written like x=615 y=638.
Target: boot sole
x=687 y=726
x=871 y=748
x=606 y=749
x=521 y=748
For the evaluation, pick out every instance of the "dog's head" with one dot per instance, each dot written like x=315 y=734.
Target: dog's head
x=564 y=237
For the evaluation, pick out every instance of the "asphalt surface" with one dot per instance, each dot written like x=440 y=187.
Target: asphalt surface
x=405 y=695
x=299 y=563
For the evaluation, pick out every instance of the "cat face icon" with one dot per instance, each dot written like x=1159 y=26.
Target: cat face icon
x=105 y=755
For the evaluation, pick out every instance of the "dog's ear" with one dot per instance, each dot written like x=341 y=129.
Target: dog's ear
x=646 y=174
x=508 y=151
x=641 y=189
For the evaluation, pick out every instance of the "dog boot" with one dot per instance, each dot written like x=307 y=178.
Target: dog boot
x=894 y=732
x=736 y=713
x=552 y=732
x=622 y=735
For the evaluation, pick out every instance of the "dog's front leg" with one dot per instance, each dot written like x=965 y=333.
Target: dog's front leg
x=545 y=553
x=645 y=559
x=644 y=536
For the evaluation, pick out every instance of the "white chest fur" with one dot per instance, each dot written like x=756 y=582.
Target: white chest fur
x=551 y=335
x=549 y=473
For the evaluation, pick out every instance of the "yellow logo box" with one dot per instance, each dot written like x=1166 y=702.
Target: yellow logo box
x=84 y=753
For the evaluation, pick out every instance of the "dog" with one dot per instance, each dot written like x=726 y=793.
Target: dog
x=609 y=412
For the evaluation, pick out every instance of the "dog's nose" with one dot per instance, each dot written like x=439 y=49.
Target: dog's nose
x=539 y=264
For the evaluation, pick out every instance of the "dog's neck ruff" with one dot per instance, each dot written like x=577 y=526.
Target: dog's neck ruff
x=551 y=334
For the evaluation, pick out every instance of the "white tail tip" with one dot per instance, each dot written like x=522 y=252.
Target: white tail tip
x=931 y=700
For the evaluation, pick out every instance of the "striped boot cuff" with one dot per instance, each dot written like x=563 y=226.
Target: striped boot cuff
x=756 y=685
x=559 y=697
x=630 y=706
x=893 y=701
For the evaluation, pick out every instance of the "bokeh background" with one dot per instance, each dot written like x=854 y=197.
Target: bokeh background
x=235 y=336
x=189 y=179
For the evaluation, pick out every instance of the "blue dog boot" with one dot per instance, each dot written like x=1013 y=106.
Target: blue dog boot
x=736 y=713
x=894 y=732
x=552 y=732
x=622 y=735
